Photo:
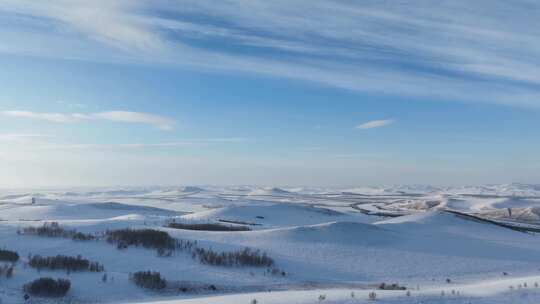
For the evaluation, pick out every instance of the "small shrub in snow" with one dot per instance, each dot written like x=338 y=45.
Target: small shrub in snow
x=408 y=293
x=79 y=236
x=372 y=296
x=276 y=271
x=149 y=280
x=8 y=256
x=536 y=284
x=193 y=287
x=352 y=294
x=164 y=252
x=64 y=262
x=322 y=297
x=254 y=301
x=48 y=287
x=394 y=286
x=7 y=271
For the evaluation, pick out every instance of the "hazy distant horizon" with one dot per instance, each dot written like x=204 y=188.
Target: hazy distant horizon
x=293 y=188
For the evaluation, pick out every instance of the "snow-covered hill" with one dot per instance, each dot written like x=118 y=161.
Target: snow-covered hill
x=324 y=242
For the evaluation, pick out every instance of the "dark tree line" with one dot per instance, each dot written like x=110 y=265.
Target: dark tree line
x=148 y=238
x=53 y=229
x=246 y=257
x=166 y=245
x=65 y=263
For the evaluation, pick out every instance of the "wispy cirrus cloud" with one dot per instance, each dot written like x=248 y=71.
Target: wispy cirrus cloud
x=480 y=51
x=160 y=122
x=51 y=117
x=84 y=146
x=112 y=23
x=186 y=143
x=375 y=124
x=23 y=137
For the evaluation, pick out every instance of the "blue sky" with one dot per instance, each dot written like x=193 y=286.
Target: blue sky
x=331 y=93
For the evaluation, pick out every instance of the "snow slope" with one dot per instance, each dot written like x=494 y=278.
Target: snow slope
x=481 y=292
x=321 y=250
x=269 y=215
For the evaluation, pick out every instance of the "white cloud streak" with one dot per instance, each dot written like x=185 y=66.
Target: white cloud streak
x=51 y=117
x=136 y=117
x=113 y=146
x=127 y=146
x=375 y=124
x=160 y=122
x=23 y=138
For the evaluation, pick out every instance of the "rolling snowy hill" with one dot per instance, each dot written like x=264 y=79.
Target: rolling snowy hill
x=327 y=242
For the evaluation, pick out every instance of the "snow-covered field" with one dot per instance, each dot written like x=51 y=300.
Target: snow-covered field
x=332 y=245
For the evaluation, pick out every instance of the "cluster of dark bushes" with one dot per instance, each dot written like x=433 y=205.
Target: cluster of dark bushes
x=394 y=286
x=7 y=271
x=148 y=238
x=149 y=280
x=64 y=262
x=246 y=257
x=8 y=256
x=53 y=229
x=48 y=287
x=192 y=287
x=79 y=236
x=165 y=245
x=207 y=227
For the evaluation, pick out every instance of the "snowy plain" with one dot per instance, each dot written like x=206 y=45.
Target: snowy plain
x=334 y=245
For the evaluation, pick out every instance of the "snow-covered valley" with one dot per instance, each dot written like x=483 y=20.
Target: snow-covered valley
x=440 y=245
